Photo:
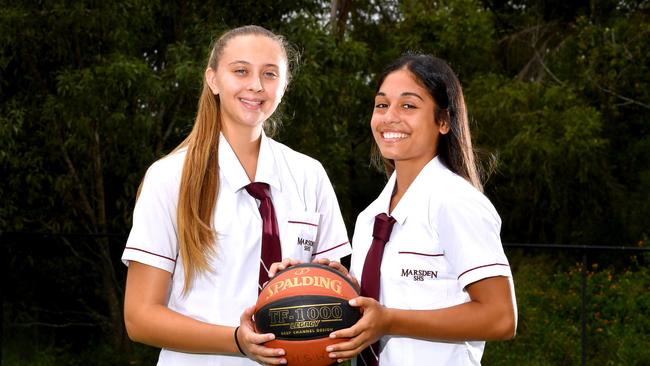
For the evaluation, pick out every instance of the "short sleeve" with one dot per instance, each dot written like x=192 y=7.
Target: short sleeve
x=469 y=229
x=153 y=239
x=333 y=242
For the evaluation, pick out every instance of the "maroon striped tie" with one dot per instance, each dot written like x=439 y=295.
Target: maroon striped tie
x=370 y=276
x=271 y=250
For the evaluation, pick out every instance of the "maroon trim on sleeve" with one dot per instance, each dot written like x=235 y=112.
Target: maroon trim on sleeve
x=487 y=265
x=157 y=255
x=301 y=222
x=424 y=254
x=327 y=250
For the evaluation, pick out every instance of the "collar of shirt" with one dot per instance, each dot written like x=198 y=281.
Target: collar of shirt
x=415 y=192
x=233 y=172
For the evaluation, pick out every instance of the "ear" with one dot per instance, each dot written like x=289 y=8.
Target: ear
x=211 y=79
x=443 y=128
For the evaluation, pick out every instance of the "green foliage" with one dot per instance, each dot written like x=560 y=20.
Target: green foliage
x=78 y=97
x=613 y=71
x=460 y=31
x=550 y=154
x=132 y=82
x=549 y=302
x=11 y=121
x=326 y=107
x=92 y=93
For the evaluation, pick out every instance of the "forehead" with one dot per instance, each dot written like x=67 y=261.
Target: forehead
x=253 y=49
x=402 y=81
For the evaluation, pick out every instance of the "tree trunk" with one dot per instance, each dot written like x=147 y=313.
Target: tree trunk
x=115 y=326
x=339 y=10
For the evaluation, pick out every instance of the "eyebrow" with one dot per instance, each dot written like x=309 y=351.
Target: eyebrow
x=248 y=63
x=405 y=94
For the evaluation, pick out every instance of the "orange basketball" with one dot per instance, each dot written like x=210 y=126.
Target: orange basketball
x=302 y=305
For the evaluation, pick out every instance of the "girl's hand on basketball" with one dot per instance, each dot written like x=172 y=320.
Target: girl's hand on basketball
x=339 y=267
x=252 y=343
x=279 y=266
x=372 y=326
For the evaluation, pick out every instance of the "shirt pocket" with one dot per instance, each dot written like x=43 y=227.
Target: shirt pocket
x=300 y=235
x=420 y=279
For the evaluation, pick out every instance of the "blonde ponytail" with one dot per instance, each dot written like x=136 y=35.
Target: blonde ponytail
x=199 y=185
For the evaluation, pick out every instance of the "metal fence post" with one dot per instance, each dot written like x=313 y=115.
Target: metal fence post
x=583 y=312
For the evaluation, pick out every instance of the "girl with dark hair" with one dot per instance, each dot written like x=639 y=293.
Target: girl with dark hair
x=218 y=210
x=435 y=282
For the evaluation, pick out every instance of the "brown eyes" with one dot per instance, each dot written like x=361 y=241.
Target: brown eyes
x=404 y=106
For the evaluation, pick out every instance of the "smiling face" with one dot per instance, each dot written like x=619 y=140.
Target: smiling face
x=403 y=122
x=250 y=79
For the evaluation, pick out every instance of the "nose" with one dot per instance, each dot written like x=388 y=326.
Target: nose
x=391 y=115
x=256 y=84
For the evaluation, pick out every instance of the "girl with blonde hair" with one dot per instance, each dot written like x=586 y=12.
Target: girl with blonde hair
x=213 y=213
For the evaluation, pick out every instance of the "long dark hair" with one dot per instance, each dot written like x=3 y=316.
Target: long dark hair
x=455 y=147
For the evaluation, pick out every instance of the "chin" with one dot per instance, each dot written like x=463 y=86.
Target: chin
x=388 y=154
x=252 y=122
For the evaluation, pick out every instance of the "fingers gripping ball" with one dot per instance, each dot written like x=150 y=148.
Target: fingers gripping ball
x=302 y=305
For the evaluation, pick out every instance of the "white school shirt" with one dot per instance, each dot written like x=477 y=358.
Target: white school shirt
x=309 y=220
x=446 y=236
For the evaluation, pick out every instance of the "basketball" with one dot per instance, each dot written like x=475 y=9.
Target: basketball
x=302 y=305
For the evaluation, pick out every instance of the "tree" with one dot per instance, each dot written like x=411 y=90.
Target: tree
x=595 y=53
x=92 y=93
x=550 y=155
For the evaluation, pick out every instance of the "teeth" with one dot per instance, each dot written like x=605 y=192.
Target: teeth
x=251 y=102
x=393 y=135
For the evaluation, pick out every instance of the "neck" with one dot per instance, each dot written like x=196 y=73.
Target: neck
x=245 y=142
x=405 y=174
